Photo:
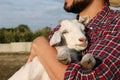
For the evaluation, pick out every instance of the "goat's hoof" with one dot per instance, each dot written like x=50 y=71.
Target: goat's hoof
x=64 y=59
x=88 y=61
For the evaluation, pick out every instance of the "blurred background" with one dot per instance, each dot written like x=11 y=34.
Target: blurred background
x=21 y=22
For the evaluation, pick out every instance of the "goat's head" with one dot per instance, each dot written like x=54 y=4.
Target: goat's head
x=73 y=33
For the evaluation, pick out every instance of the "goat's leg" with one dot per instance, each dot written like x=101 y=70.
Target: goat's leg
x=63 y=55
x=31 y=71
x=88 y=61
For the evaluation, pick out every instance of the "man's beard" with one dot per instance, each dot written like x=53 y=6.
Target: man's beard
x=77 y=6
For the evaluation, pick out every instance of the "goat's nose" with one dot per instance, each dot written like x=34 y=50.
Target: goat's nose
x=82 y=39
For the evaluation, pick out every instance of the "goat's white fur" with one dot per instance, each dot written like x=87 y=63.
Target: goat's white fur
x=74 y=31
x=35 y=70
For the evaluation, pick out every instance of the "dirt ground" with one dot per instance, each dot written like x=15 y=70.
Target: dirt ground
x=10 y=63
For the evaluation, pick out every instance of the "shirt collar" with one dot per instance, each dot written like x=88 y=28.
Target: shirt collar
x=103 y=12
x=100 y=15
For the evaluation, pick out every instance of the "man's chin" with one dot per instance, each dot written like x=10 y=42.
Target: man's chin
x=69 y=10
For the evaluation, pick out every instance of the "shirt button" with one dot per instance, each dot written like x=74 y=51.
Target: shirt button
x=91 y=27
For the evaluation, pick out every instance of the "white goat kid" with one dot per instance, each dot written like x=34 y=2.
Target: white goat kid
x=71 y=38
x=73 y=34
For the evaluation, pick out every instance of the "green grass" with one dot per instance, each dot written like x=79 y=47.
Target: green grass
x=10 y=63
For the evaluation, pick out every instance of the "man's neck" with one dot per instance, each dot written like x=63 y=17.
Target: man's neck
x=92 y=9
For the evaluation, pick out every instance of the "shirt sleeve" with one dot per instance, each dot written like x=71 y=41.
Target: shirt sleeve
x=107 y=49
x=53 y=31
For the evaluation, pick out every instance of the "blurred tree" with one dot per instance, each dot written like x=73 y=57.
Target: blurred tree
x=42 y=32
x=2 y=36
x=21 y=33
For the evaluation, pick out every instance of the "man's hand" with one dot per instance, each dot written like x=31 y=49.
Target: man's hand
x=36 y=44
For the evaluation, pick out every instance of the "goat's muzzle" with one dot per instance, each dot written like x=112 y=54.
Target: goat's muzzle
x=83 y=42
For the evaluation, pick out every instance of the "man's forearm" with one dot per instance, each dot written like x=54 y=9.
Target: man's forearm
x=47 y=56
x=53 y=67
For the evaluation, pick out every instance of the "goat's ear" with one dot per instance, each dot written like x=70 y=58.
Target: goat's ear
x=84 y=19
x=56 y=38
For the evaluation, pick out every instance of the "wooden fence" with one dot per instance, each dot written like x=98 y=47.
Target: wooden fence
x=15 y=47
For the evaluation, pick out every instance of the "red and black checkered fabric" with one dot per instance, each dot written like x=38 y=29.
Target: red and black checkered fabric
x=103 y=32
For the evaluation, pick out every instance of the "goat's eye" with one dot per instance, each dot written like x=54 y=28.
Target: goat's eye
x=64 y=32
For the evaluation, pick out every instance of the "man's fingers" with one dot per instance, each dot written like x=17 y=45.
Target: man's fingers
x=30 y=58
x=32 y=55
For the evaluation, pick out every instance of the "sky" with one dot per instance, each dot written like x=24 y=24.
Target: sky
x=34 y=13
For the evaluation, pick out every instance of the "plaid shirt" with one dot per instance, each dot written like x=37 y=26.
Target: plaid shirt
x=103 y=32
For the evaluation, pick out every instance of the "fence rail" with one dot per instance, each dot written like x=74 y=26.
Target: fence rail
x=15 y=47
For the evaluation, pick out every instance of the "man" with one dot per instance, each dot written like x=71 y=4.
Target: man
x=103 y=31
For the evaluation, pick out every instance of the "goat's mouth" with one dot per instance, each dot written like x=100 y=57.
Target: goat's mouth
x=82 y=45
